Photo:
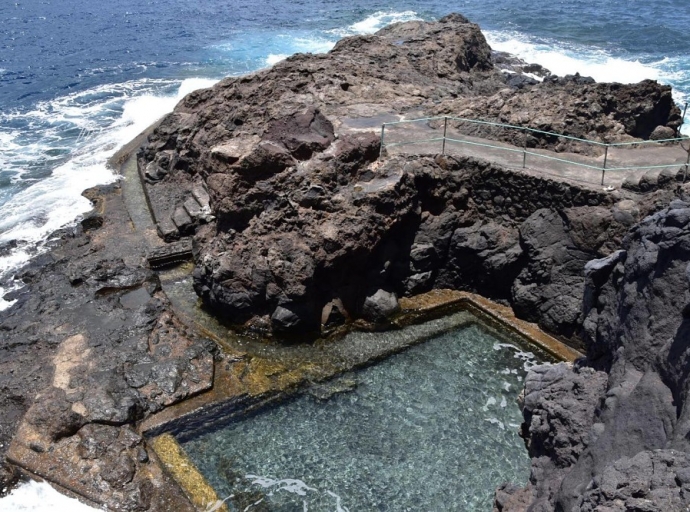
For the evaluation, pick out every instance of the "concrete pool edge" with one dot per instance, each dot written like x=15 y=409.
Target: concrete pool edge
x=271 y=383
x=415 y=310
x=438 y=302
x=178 y=465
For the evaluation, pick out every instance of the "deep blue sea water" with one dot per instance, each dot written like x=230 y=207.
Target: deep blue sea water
x=79 y=78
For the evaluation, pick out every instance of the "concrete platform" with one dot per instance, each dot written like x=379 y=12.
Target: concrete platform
x=400 y=139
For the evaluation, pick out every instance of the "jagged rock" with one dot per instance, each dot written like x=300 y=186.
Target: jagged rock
x=519 y=81
x=109 y=274
x=285 y=320
x=662 y=133
x=485 y=256
x=52 y=415
x=649 y=181
x=508 y=62
x=380 y=306
x=550 y=287
x=302 y=134
x=111 y=400
x=654 y=481
x=632 y=183
x=635 y=330
x=667 y=176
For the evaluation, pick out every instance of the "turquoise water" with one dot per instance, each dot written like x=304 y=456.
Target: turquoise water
x=433 y=428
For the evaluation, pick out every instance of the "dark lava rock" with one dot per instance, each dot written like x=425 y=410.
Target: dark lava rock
x=485 y=256
x=559 y=407
x=52 y=414
x=662 y=133
x=303 y=134
x=285 y=320
x=518 y=81
x=380 y=306
x=617 y=439
x=557 y=246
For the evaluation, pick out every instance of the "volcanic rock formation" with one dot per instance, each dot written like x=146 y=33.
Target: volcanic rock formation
x=299 y=226
x=297 y=213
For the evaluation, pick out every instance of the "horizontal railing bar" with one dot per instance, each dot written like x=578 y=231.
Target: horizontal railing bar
x=525 y=128
x=483 y=145
x=393 y=144
x=564 y=161
x=678 y=139
x=675 y=164
x=414 y=120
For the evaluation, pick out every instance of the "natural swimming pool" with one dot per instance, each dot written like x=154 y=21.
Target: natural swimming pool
x=431 y=428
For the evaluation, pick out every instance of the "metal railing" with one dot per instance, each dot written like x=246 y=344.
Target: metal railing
x=524 y=149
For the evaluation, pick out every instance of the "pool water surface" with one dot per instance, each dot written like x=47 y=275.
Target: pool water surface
x=433 y=428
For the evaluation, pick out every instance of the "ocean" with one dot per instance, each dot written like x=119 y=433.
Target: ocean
x=79 y=78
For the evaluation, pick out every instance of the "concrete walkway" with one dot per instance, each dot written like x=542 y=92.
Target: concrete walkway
x=542 y=162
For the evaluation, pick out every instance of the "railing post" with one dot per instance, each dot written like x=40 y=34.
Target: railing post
x=687 y=162
x=682 y=120
x=383 y=133
x=445 y=130
x=603 y=169
x=524 y=149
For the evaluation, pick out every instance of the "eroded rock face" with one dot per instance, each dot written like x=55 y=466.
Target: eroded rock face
x=624 y=443
x=405 y=226
x=573 y=106
x=253 y=127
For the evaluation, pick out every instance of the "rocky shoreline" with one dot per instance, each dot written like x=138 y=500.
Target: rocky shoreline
x=298 y=228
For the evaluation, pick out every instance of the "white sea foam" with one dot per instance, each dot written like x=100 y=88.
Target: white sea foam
x=291 y=43
x=290 y=485
x=4 y=304
x=275 y=58
x=107 y=117
x=377 y=21
x=40 y=497
x=313 y=44
x=293 y=486
x=566 y=59
x=496 y=421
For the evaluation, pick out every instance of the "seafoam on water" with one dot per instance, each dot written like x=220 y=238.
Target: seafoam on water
x=40 y=497
x=93 y=125
x=563 y=59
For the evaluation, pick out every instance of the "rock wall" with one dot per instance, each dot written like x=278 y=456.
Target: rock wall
x=624 y=427
x=280 y=261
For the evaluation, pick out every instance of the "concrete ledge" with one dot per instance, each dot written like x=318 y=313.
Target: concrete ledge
x=440 y=302
x=183 y=470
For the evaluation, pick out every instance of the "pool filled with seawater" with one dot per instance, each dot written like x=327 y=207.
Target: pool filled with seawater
x=433 y=428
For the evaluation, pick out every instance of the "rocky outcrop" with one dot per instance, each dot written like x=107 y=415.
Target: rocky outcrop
x=571 y=106
x=406 y=226
x=90 y=348
x=626 y=432
x=276 y=119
